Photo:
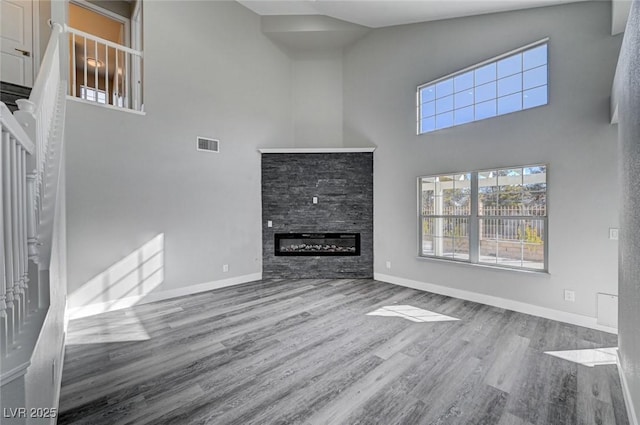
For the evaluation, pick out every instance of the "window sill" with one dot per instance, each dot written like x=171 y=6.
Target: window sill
x=485 y=266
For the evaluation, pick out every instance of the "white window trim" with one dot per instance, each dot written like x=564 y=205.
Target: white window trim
x=473 y=217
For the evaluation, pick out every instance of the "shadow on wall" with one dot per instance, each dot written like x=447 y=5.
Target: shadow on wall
x=123 y=284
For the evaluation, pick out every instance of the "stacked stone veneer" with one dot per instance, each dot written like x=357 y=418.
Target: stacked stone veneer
x=343 y=184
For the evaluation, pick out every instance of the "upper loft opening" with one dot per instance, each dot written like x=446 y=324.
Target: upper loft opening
x=105 y=61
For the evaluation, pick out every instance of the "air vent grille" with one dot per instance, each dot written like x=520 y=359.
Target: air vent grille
x=208 y=145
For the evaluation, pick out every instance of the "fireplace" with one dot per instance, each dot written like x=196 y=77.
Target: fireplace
x=317 y=244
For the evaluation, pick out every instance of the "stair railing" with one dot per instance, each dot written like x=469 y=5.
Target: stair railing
x=30 y=140
x=14 y=211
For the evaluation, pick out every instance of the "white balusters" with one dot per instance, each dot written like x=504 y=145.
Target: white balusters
x=4 y=314
x=24 y=215
x=15 y=229
x=8 y=235
x=24 y=151
x=104 y=72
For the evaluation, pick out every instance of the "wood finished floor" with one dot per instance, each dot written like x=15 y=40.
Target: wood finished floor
x=305 y=352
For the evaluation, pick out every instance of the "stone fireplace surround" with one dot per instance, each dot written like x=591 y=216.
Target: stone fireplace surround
x=340 y=182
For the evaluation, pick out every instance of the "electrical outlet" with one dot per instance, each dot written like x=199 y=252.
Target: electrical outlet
x=388 y=264
x=315 y=199
x=269 y=223
x=613 y=233
x=225 y=268
x=569 y=295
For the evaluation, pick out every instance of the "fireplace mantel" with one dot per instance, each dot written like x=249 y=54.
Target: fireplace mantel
x=316 y=150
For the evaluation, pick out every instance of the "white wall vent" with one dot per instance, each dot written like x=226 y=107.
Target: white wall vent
x=208 y=145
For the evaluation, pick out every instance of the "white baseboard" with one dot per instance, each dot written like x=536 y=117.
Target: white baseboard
x=97 y=308
x=520 y=307
x=628 y=401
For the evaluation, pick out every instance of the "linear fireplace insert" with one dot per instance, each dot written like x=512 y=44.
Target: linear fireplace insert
x=317 y=244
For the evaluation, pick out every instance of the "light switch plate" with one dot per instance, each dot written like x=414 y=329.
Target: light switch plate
x=315 y=199
x=613 y=233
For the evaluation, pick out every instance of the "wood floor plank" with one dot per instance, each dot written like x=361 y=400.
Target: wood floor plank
x=305 y=351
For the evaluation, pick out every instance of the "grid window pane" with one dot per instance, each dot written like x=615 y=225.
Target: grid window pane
x=427 y=94
x=444 y=88
x=535 y=57
x=535 y=97
x=463 y=99
x=428 y=124
x=485 y=92
x=485 y=110
x=463 y=82
x=510 y=103
x=485 y=74
x=509 y=66
x=428 y=109
x=463 y=115
x=444 y=120
x=535 y=77
x=508 y=84
x=444 y=104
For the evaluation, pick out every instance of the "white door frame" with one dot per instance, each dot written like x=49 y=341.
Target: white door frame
x=108 y=14
x=136 y=44
x=35 y=25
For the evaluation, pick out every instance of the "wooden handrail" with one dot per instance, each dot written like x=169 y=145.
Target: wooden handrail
x=51 y=55
x=92 y=37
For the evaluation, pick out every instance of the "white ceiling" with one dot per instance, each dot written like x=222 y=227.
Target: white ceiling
x=382 y=13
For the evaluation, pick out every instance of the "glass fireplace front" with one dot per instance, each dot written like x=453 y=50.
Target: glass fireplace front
x=315 y=244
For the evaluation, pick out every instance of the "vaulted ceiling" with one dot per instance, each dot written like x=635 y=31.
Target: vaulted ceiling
x=382 y=13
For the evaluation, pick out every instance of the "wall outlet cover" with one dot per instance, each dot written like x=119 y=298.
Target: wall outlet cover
x=569 y=295
x=613 y=234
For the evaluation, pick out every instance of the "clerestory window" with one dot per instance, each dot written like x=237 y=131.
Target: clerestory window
x=508 y=83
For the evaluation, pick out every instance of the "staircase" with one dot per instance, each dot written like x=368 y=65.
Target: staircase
x=32 y=240
x=9 y=93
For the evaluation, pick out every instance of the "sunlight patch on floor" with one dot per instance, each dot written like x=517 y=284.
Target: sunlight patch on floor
x=588 y=357
x=125 y=329
x=409 y=312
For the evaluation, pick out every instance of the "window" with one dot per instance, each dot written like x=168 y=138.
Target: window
x=494 y=217
x=93 y=95
x=511 y=82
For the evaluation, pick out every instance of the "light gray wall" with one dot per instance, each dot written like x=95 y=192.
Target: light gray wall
x=629 y=136
x=571 y=134
x=209 y=71
x=317 y=99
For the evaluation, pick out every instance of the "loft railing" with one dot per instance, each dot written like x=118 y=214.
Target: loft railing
x=104 y=72
x=30 y=161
